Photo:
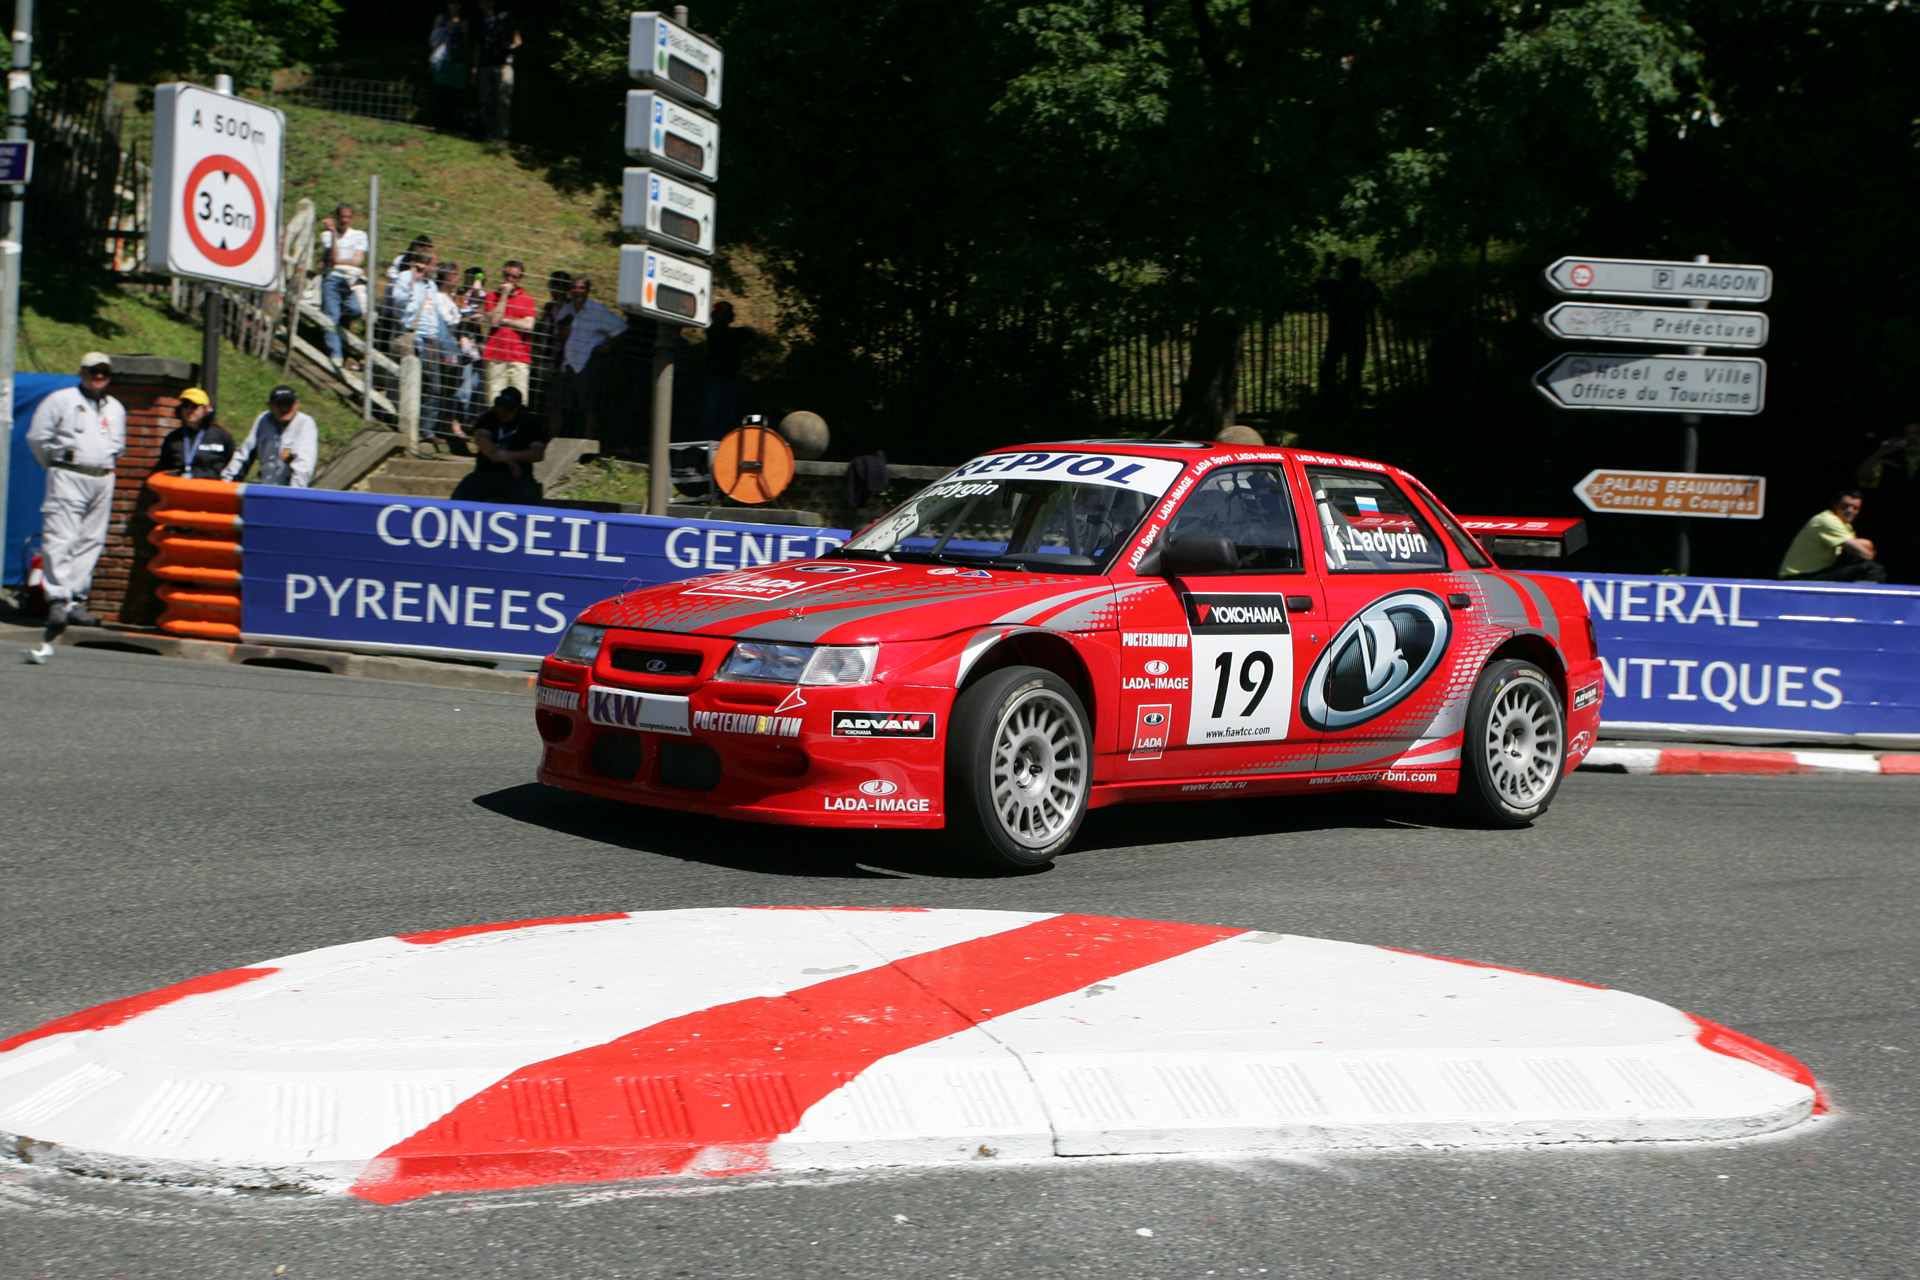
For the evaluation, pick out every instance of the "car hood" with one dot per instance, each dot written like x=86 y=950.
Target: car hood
x=853 y=602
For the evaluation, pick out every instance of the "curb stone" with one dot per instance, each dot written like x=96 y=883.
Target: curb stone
x=1678 y=761
x=367 y=666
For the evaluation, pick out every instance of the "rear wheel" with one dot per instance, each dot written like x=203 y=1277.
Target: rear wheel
x=1019 y=766
x=1515 y=746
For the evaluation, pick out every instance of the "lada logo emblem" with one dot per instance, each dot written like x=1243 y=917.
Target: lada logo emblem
x=1155 y=717
x=1156 y=668
x=1380 y=656
x=656 y=664
x=877 y=787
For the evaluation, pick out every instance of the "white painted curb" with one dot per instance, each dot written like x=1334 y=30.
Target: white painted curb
x=730 y=1040
x=1738 y=760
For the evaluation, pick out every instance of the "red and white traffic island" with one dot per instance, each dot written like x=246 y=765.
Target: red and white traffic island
x=726 y=1041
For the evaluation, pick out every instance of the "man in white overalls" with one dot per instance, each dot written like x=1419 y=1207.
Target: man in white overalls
x=78 y=434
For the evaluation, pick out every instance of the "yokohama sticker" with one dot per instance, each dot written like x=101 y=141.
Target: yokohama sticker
x=883 y=724
x=1242 y=669
x=1379 y=657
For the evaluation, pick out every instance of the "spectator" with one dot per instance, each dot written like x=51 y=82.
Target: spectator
x=77 y=434
x=401 y=276
x=433 y=316
x=591 y=328
x=1892 y=476
x=499 y=37
x=1827 y=549
x=199 y=448
x=447 y=61
x=1349 y=298
x=343 y=247
x=510 y=444
x=511 y=314
x=284 y=441
x=726 y=347
x=550 y=335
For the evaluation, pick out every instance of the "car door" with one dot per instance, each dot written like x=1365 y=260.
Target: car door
x=1384 y=685
x=1209 y=677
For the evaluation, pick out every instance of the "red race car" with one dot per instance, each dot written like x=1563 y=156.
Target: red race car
x=1056 y=627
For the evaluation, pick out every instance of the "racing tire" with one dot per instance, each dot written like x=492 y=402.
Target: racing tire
x=1514 y=751
x=1019 y=769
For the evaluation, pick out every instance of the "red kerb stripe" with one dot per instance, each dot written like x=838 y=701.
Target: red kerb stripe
x=1744 y=1047
x=720 y=1085
x=115 y=1012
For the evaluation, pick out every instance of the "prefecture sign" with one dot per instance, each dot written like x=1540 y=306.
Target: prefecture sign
x=216 y=187
x=1674 y=493
x=666 y=55
x=1655 y=383
x=1666 y=326
x=16 y=161
x=663 y=287
x=668 y=136
x=667 y=211
x=1635 y=278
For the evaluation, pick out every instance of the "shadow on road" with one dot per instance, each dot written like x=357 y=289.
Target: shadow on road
x=830 y=853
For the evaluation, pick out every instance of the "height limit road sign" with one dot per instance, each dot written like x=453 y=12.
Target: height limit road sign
x=1656 y=383
x=1669 y=493
x=216 y=187
x=1639 y=278
x=1663 y=326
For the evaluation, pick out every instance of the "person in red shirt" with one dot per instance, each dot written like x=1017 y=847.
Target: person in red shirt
x=510 y=314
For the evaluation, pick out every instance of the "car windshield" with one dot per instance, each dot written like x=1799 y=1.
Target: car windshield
x=1050 y=512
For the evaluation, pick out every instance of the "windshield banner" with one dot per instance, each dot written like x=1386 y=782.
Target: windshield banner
x=1730 y=660
x=429 y=575
x=1150 y=476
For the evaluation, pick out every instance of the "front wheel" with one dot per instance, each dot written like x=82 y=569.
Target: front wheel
x=1514 y=750
x=1019 y=766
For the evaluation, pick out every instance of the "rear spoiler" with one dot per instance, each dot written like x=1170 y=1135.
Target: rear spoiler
x=1507 y=536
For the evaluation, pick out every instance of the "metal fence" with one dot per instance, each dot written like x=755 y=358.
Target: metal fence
x=376 y=99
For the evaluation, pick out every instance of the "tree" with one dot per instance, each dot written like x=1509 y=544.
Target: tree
x=146 y=41
x=1246 y=130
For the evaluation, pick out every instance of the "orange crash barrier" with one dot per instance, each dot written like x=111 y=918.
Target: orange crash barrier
x=197 y=528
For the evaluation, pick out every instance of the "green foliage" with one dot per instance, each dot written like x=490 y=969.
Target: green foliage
x=151 y=41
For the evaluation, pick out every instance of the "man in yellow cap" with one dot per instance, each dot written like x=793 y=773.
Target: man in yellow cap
x=78 y=434
x=199 y=448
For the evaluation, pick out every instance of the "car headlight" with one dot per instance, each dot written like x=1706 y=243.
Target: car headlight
x=801 y=663
x=581 y=644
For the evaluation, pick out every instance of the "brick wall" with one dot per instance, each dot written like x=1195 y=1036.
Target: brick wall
x=149 y=387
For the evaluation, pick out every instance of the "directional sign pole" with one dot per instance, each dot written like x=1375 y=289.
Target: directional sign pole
x=1689 y=458
x=19 y=99
x=660 y=439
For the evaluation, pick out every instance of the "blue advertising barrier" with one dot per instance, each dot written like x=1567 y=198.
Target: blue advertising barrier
x=26 y=482
x=1744 y=661
x=390 y=574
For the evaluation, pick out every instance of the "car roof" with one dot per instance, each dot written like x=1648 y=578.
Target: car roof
x=1186 y=451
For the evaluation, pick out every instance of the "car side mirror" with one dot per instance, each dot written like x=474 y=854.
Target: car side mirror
x=1199 y=554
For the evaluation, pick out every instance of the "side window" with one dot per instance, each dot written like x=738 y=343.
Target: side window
x=1472 y=554
x=1249 y=505
x=1369 y=526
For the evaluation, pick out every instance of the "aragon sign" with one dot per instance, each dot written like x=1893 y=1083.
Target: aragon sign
x=1379 y=657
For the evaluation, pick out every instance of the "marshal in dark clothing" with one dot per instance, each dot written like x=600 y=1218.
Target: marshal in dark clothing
x=199 y=448
x=509 y=443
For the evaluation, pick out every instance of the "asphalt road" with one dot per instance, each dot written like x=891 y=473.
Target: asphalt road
x=166 y=819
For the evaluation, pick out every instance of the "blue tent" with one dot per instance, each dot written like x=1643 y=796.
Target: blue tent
x=26 y=482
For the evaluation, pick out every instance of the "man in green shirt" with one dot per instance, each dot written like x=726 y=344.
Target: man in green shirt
x=1826 y=548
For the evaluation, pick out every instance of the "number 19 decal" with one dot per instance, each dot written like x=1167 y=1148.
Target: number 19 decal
x=1242 y=669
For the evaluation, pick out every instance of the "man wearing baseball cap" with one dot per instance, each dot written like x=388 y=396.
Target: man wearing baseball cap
x=199 y=447
x=285 y=442
x=77 y=434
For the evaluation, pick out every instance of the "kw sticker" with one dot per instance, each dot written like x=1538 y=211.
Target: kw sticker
x=646 y=712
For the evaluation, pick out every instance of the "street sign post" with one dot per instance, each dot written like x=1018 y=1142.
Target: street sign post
x=1655 y=383
x=666 y=55
x=1674 y=493
x=16 y=162
x=216 y=187
x=666 y=135
x=663 y=287
x=667 y=211
x=1638 y=278
x=1664 y=326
